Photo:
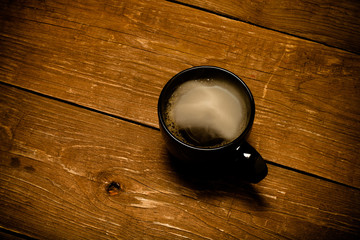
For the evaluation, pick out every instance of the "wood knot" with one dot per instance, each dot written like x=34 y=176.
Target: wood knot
x=15 y=162
x=114 y=188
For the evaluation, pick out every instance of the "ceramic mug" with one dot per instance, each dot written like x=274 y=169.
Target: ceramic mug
x=236 y=156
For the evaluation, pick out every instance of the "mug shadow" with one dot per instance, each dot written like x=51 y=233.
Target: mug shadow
x=211 y=180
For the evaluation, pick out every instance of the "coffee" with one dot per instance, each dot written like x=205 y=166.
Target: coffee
x=207 y=113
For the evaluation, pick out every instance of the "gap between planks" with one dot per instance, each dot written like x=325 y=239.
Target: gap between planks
x=10 y=234
x=78 y=105
x=257 y=25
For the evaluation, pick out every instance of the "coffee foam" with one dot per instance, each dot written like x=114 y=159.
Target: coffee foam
x=211 y=112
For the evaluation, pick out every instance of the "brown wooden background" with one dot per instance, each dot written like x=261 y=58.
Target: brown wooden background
x=81 y=155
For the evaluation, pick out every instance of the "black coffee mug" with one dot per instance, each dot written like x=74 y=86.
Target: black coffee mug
x=236 y=157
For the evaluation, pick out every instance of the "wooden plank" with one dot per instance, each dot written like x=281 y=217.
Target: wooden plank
x=334 y=23
x=69 y=173
x=115 y=57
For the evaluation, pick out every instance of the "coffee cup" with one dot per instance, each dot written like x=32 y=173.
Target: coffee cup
x=205 y=116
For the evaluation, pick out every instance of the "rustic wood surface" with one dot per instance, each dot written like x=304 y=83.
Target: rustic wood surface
x=81 y=155
x=307 y=95
x=72 y=173
x=334 y=23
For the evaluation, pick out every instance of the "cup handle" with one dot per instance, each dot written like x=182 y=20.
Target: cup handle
x=252 y=163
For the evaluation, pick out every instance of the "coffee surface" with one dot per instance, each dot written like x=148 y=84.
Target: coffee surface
x=207 y=112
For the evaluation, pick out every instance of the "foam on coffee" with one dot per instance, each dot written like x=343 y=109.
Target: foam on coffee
x=207 y=112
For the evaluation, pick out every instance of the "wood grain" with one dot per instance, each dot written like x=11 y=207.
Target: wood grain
x=69 y=173
x=116 y=56
x=334 y=23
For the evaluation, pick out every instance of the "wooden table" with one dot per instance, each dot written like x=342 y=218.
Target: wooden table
x=80 y=150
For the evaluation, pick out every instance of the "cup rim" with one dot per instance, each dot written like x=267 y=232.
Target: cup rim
x=237 y=141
